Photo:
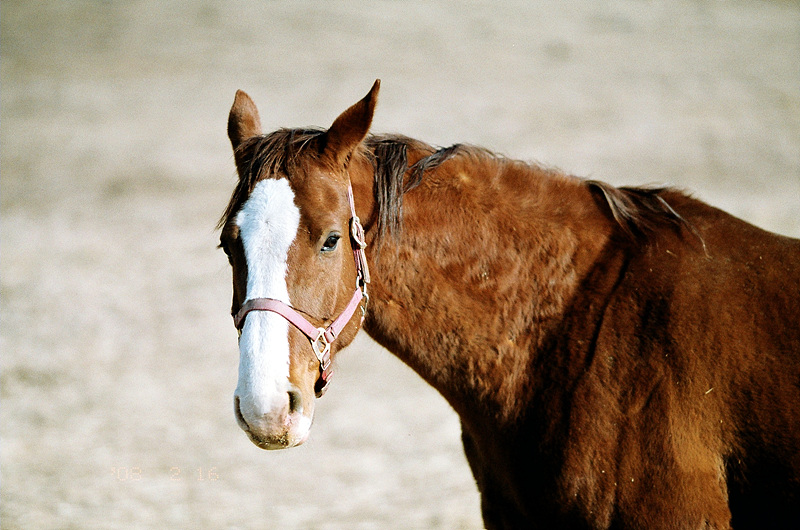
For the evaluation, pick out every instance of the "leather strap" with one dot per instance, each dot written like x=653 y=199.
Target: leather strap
x=298 y=320
x=275 y=306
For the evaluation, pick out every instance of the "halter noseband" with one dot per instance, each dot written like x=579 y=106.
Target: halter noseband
x=321 y=338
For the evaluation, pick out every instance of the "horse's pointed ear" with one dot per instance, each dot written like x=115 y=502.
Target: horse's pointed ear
x=243 y=120
x=351 y=127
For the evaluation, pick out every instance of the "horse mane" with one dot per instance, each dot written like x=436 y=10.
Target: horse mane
x=389 y=155
x=638 y=211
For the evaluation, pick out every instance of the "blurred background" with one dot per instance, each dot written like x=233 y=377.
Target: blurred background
x=119 y=358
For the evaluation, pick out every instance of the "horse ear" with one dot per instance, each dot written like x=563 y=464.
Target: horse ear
x=243 y=120
x=351 y=127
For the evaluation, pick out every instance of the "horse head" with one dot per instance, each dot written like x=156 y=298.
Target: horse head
x=295 y=247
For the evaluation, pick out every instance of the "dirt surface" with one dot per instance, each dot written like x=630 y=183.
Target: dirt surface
x=119 y=357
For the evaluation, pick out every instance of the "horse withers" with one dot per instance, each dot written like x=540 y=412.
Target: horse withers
x=619 y=357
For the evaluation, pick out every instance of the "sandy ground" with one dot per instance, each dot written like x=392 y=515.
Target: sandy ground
x=118 y=355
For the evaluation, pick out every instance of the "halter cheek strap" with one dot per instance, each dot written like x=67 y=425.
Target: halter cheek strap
x=321 y=338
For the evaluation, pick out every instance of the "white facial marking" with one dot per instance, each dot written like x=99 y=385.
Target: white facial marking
x=268 y=224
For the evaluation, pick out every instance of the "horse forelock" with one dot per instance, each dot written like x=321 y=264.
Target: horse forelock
x=275 y=154
x=278 y=154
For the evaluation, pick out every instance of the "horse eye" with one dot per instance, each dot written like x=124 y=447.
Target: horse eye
x=331 y=242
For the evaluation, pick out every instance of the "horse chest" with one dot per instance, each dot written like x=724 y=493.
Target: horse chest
x=523 y=485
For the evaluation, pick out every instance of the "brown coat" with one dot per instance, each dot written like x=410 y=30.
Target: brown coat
x=619 y=357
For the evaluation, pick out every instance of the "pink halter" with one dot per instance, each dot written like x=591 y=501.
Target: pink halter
x=321 y=338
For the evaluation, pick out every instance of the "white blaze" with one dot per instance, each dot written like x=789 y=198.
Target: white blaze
x=268 y=224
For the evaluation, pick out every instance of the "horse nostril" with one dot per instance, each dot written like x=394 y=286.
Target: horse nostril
x=295 y=401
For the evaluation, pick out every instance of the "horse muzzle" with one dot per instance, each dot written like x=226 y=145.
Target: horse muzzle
x=283 y=425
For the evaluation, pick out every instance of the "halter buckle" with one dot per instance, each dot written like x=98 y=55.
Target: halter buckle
x=322 y=349
x=360 y=243
x=357 y=231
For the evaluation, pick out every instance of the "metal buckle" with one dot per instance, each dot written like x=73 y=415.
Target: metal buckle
x=357 y=231
x=360 y=240
x=365 y=302
x=322 y=349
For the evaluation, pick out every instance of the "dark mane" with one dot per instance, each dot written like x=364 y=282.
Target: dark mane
x=394 y=176
x=637 y=211
x=274 y=153
x=277 y=153
x=390 y=159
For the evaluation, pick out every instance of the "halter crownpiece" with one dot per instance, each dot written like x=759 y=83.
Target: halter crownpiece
x=321 y=338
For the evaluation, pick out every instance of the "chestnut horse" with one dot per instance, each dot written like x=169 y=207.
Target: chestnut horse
x=619 y=357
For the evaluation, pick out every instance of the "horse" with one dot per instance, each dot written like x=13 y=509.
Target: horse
x=619 y=357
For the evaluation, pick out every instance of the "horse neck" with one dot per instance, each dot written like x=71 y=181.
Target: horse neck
x=490 y=252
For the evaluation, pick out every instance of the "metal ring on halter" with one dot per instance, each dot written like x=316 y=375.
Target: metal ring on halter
x=365 y=302
x=323 y=354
